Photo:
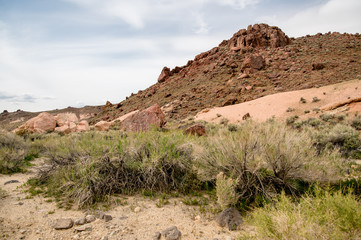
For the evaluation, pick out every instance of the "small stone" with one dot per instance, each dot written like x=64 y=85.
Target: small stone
x=19 y=203
x=86 y=227
x=104 y=238
x=100 y=215
x=229 y=218
x=63 y=223
x=107 y=218
x=80 y=221
x=90 y=218
x=197 y=218
x=137 y=209
x=22 y=231
x=172 y=233
x=156 y=236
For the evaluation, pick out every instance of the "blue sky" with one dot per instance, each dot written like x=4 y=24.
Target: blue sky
x=59 y=53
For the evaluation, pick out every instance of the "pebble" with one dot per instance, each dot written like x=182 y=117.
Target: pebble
x=80 y=221
x=90 y=218
x=107 y=218
x=82 y=228
x=137 y=209
x=104 y=238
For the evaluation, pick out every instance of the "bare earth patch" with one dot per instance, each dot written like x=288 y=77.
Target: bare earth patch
x=22 y=217
x=342 y=97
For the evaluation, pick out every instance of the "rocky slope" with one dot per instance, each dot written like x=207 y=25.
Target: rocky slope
x=254 y=63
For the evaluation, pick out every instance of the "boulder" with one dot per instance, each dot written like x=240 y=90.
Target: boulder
x=172 y=233
x=83 y=126
x=63 y=129
x=102 y=126
x=63 y=223
x=318 y=66
x=197 y=130
x=254 y=62
x=44 y=122
x=143 y=120
x=164 y=74
x=259 y=36
x=229 y=218
x=64 y=118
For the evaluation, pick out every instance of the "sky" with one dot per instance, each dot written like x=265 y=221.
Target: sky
x=60 y=53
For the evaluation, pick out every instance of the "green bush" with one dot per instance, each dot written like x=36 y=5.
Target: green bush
x=265 y=158
x=13 y=151
x=322 y=215
x=340 y=136
x=356 y=123
x=89 y=167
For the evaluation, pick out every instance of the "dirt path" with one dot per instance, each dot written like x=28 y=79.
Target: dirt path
x=33 y=218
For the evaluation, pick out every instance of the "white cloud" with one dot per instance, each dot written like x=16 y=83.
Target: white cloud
x=334 y=15
x=137 y=13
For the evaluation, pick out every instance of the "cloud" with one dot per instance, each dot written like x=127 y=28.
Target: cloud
x=137 y=13
x=334 y=15
x=21 y=98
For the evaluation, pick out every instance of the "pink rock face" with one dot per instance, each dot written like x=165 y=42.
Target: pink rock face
x=102 y=126
x=143 y=120
x=44 y=122
x=82 y=126
x=164 y=75
x=63 y=118
x=254 y=62
x=63 y=129
x=259 y=35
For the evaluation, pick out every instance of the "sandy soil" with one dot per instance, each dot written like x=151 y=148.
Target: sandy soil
x=283 y=105
x=23 y=218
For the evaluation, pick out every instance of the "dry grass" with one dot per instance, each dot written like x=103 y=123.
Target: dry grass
x=321 y=215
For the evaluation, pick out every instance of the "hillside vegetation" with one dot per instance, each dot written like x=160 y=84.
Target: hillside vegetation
x=276 y=174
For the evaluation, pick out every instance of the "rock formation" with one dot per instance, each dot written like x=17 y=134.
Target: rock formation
x=143 y=120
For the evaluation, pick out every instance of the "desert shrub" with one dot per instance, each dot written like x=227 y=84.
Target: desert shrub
x=89 y=167
x=226 y=191
x=356 y=123
x=232 y=127
x=265 y=158
x=323 y=215
x=313 y=122
x=290 y=120
x=339 y=136
x=327 y=117
x=13 y=151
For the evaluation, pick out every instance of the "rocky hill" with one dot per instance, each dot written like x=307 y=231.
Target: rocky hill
x=255 y=62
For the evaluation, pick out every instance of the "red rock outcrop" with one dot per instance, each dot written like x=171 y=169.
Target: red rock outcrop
x=253 y=61
x=143 y=120
x=259 y=35
x=164 y=75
